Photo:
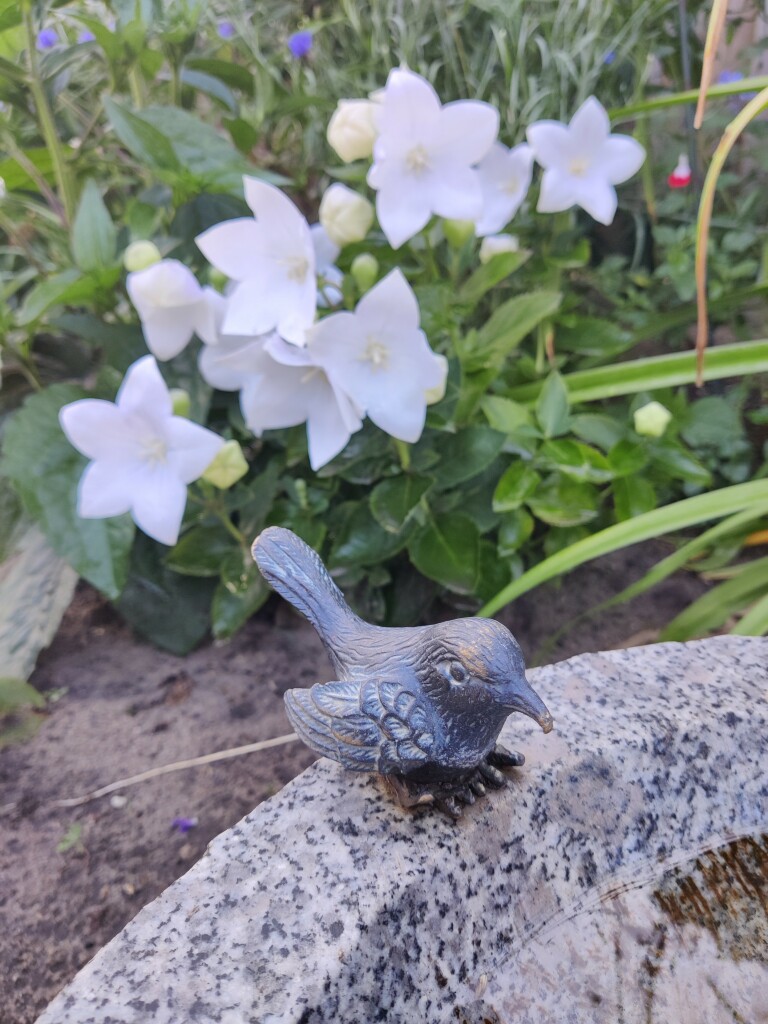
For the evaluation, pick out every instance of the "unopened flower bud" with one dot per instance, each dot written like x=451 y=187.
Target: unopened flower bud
x=352 y=129
x=345 y=215
x=228 y=466
x=494 y=245
x=437 y=393
x=457 y=232
x=140 y=255
x=652 y=420
x=217 y=279
x=365 y=270
x=180 y=402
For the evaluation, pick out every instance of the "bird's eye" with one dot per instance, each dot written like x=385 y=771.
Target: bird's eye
x=457 y=672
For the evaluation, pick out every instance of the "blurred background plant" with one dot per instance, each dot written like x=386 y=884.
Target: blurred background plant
x=136 y=120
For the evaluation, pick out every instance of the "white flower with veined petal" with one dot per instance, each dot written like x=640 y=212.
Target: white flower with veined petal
x=505 y=175
x=329 y=277
x=582 y=162
x=380 y=358
x=172 y=306
x=424 y=154
x=272 y=259
x=143 y=456
x=281 y=386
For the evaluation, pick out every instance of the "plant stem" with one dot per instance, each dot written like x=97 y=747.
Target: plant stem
x=45 y=118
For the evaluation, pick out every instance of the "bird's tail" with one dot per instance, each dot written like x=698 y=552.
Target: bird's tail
x=297 y=574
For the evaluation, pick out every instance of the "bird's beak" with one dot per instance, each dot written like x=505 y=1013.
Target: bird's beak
x=525 y=699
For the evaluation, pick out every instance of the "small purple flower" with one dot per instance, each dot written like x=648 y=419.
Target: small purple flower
x=184 y=825
x=86 y=37
x=300 y=43
x=609 y=57
x=226 y=30
x=47 y=39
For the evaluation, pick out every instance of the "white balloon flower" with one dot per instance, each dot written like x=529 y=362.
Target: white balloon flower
x=582 y=162
x=380 y=358
x=281 y=386
x=143 y=457
x=329 y=277
x=505 y=176
x=272 y=259
x=172 y=306
x=424 y=155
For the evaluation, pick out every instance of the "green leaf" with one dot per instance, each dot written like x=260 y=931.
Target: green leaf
x=517 y=484
x=564 y=502
x=170 y=610
x=394 y=501
x=627 y=458
x=447 y=550
x=146 y=142
x=359 y=540
x=505 y=415
x=552 y=406
x=721 y=361
x=602 y=431
x=15 y=176
x=515 y=529
x=239 y=595
x=671 y=518
x=45 y=471
x=465 y=454
x=575 y=460
x=52 y=291
x=508 y=326
x=490 y=274
x=681 y=465
x=16 y=693
x=755 y=621
x=235 y=75
x=94 y=236
x=201 y=550
x=632 y=496
x=211 y=86
x=713 y=608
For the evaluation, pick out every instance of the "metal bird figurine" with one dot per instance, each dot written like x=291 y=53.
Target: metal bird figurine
x=423 y=706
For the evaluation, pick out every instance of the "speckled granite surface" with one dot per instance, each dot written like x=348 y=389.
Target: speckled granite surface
x=623 y=875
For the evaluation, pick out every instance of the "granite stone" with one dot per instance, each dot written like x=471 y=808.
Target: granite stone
x=622 y=876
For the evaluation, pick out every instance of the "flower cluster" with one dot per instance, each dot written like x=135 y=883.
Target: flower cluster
x=277 y=334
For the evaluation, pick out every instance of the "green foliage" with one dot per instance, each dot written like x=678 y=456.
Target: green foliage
x=529 y=464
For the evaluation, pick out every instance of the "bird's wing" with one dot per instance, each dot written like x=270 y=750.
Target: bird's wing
x=377 y=725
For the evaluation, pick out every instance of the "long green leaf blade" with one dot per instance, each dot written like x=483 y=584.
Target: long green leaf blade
x=678 y=516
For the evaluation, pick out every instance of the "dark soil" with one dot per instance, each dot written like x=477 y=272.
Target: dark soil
x=123 y=707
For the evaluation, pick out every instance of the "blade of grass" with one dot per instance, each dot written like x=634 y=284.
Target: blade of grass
x=724 y=147
x=714 y=34
x=742 y=359
x=676 y=99
x=670 y=519
x=755 y=621
x=713 y=608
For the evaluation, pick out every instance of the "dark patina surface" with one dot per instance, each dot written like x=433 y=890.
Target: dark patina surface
x=423 y=706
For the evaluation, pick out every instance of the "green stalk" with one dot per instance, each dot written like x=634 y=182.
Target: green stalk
x=676 y=99
x=45 y=117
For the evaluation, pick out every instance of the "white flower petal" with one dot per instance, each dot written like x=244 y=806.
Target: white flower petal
x=277 y=399
x=228 y=365
x=389 y=305
x=590 y=125
x=144 y=391
x=328 y=429
x=403 y=418
x=191 y=448
x=209 y=316
x=168 y=331
x=95 y=428
x=505 y=177
x=620 y=157
x=326 y=251
x=599 y=200
x=233 y=247
x=167 y=285
x=468 y=128
x=159 y=499
x=557 y=192
x=456 y=193
x=276 y=215
x=550 y=142
x=408 y=102
x=105 y=490
x=402 y=214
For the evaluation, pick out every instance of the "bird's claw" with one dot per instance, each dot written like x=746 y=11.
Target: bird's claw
x=492 y=775
x=500 y=757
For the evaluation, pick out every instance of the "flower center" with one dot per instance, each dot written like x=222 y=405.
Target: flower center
x=154 y=451
x=417 y=160
x=296 y=268
x=376 y=353
x=579 y=166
